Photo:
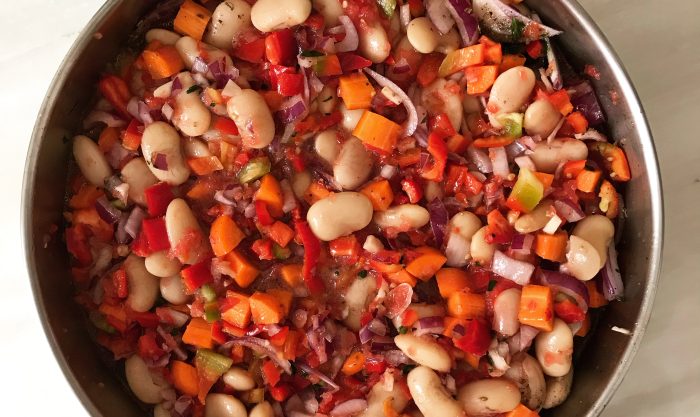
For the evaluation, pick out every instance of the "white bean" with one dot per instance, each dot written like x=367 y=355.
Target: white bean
x=430 y=396
x=534 y=220
x=230 y=19
x=173 y=290
x=527 y=374
x=350 y=117
x=181 y=224
x=357 y=297
x=489 y=396
x=511 y=90
x=270 y=15
x=163 y=36
x=547 y=156
x=161 y=138
x=91 y=161
x=326 y=100
x=432 y=190
x=558 y=389
x=195 y=148
x=143 y=287
x=329 y=9
x=249 y=111
x=481 y=250
x=461 y=229
x=449 y=42
x=402 y=218
x=224 y=405
x=139 y=177
x=378 y=395
x=353 y=165
x=423 y=35
x=425 y=351
x=300 y=183
x=263 y=409
x=582 y=259
x=141 y=382
x=505 y=312
x=372 y=244
x=162 y=265
x=339 y=215
x=374 y=42
x=160 y=411
x=597 y=230
x=541 y=117
x=239 y=379
x=190 y=49
x=191 y=116
x=554 y=349
x=326 y=145
x=442 y=96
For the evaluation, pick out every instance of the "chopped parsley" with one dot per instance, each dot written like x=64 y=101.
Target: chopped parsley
x=516 y=28
x=492 y=284
x=193 y=89
x=403 y=329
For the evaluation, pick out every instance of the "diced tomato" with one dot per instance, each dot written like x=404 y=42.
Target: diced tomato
x=155 y=232
x=476 y=339
x=413 y=189
x=116 y=91
x=263 y=248
x=435 y=169
x=289 y=85
x=460 y=180
x=140 y=245
x=375 y=365
x=251 y=51
x=499 y=230
x=158 y=197
x=194 y=276
x=131 y=139
x=280 y=392
x=569 y=311
x=441 y=124
x=270 y=373
x=281 y=47
x=347 y=247
x=226 y=126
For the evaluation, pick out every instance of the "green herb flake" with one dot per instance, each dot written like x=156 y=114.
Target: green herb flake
x=516 y=28
x=403 y=329
x=492 y=284
x=193 y=89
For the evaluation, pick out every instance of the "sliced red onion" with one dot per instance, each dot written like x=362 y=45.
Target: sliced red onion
x=398 y=300
x=160 y=161
x=480 y=159
x=438 y=220
x=522 y=340
x=496 y=18
x=381 y=344
x=198 y=65
x=176 y=87
x=377 y=327
x=101 y=116
x=264 y=347
x=145 y=113
x=401 y=67
x=584 y=100
x=525 y=162
x=545 y=81
x=517 y=271
x=351 y=40
x=183 y=406
x=132 y=107
x=220 y=197
x=569 y=210
x=557 y=81
x=317 y=343
x=515 y=149
x=499 y=161
x=405 y=15
x=119 y=156
x=457 y=249
x=439 y=15
x=430 y=325
x=396 y=357
x=412 y=121
x=466 y=23
x=613 y=287
x=289 y=200
x=292 y=109
x=230 y=89
x=107 y=211
x=349 y=408
x=117 y=188
x=568 y=285
x=365 y=335
x=221 y=74
x=323 y=377
x=121 y=235
x=133 y=223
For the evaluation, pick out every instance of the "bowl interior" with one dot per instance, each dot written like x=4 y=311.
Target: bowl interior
x=602 y=364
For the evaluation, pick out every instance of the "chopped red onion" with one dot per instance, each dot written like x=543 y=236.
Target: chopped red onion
x=584 y=100
x=466 y=23
x=145 y=113
x=499 y=161
x=553 y=135
x=380 y=344
x=569 y=210
x=398 y=300
x=133 y=223
x=119 y=156
x=396 y=357
x=401 y=67
x=264 y=346
x=107 y=211
x=495 y=14
x=388 y=171
x=568 y=285
x=317 y=343
x=171 y=316
x=512 y=269
x=160 y=161
x=292 y=109
x=525 y=162
x=438 y=220
x=108 y=119
x=198 y=65
x=231 y=89
x=430 y=325
x=457 y=249
x=522 y=340
x=289 y=200
x=522 y=243
x=480 y=159
x=132 y=107
x=514 y=149
x=121 y=235
x=405 y=15
x=176 y=87
x=349 y=408
x=221 y=74
x=321 y=376
x=439 y=15
x=220 y=197
x=351 y=40
x=613 y=287
x=547 y=84
x=412 y=121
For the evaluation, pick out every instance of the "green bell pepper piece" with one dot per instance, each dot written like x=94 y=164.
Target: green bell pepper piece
x=254 y=169
x=527 y=192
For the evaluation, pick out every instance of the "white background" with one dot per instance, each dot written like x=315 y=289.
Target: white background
x=658 y=43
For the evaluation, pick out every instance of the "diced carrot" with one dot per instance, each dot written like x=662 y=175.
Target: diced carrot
x=192 y=20
x=224 y=235
x=265 y=308
x=577 y=121
x=291 y=274
x=354 y=363
x=585 y=326
x=291 y=345
x=280 y=233
x=427 y=263
x=377 y=132
x=545 y=179
x=283 y=297
x=205 y=165
x=271 y=193
x=480 y=78
x=316 y=192
x=451 y=280
x=596 y=298
x=86 y=197
x=379 y=193
x=238 y=311
x=511 y=61
x=493 y=141
x=521 y=411
x=356 y=91
x=551 y=247
x=198 y=333
x=245 y=271
x=184 y=378
x=401 y=277
x=458 y=144
x=466 y=305
x=493 y=52
x=163 y=62
x=560 y=100
x=462 y=58
x=108 y=138
x=450 y=323
x=587 y=181
x=199 y=191
x=536 y=307
x=409 y=157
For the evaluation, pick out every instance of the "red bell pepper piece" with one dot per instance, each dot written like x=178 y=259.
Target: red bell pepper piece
x=295 y=159
x=413 y=189
x=116 y=91
x=350 y=62
x=148 y=346
x=569 y=311
x=263 y=214
x=375 y=365
x=476 y=339
x=441 y=124
x=280 y=392
x=279 y=338
x=289 y=85
x=270 y=373
x=499 y=230
x=158 y=197
x=121 y=283
x=312 y=253
x=459 y=179
x=263 y=248
x=534 y=49
x=155 y=232
x=347 y=247
x=435 y=169
x=226 y=126
x=218 y=333
x=140 y=245
x=77 y=243
x=131 y=139
x=145 y=319
x=194 y=276
x=281 y=47
x=252 y=51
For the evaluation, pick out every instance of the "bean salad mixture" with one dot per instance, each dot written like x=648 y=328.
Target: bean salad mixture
x=373 y=208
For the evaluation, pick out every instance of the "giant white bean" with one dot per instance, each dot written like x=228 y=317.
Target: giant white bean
x=139 y=177
x=230 y=19
x=161 y=140
x=195 y=148
x=505 y=312
x=300 y=183
x=263 y=409
x=357 y=297
x=91 y=161
x=597 y=230
x=430 y=396
x=489 y=396
x=160 y=411
x=425 y=351
x=141 y=381
x=423 y=35
x=481 y=250
x=173 y=290
x=527 y=374
x=461 y=229
x=350 y=117
x=554 y=349
x=442 y=96
x=558 y=389
x=269 y=15
x=239 y=379
x=224 y=405
x=249 y=111
x=432 y=190
x=143 y=287
x=353 y=164
x=163 y=36
x=339 y=215
x=326 y=145
x=582 y=259
x=541 y=117
x=547 y=156
x=182 y=226
x=378 y=395
x=374 y=42
x=162 y=265
x=190 y=49
x=449 y=42
x=511 y=90
x=403 y=217
x=191 y=116
x=534 y=220
x=329 y=9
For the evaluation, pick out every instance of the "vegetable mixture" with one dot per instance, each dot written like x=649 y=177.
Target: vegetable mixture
x=372 y=208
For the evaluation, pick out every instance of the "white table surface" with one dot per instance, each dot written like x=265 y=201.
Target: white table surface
x=658 y=43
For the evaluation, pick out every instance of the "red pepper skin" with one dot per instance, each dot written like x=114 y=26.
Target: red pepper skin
x=281 y=47
x=413 y=189
x=312 y=253
x=155 y=232
x=158 y=197
x=263 y=214
x=290 y=85
x=435 y=170
x=196 y=275
x=116 y=91
x=476 y=339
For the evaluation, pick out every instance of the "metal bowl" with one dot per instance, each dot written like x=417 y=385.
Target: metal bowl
x=600 y=368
